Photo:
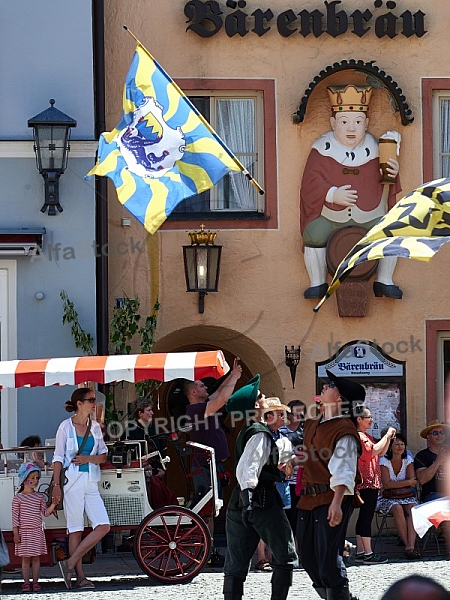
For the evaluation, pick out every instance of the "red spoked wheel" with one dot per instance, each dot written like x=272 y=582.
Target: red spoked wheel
x=172 y=544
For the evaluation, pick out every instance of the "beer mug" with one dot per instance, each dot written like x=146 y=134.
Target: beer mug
x=387 y=149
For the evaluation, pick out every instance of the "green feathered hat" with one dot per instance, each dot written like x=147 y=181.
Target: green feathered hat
x=244 y=398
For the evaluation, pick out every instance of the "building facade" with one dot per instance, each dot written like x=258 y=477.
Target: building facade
x=266 y=66
x=47 y=53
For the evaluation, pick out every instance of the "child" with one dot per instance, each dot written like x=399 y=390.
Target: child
x=28 y=506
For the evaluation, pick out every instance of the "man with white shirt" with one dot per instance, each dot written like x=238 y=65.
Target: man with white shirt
x=332 y=446
x=255 y=509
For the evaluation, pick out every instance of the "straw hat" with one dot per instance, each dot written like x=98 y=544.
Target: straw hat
x=269 y=404
x=432 y=425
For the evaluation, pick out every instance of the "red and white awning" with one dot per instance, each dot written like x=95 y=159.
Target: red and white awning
x=105 y=369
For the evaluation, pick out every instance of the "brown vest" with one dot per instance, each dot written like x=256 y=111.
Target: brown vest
x=320 y=439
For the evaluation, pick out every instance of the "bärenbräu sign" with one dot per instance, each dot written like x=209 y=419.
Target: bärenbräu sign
x=208 y=17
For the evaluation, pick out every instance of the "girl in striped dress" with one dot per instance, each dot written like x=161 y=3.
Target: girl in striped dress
x=28 y=507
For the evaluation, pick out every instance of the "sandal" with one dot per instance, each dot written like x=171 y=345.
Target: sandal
x=85 y=584
x=412 y=554
x=263 y=565
x=26 y=587
x=66 y=573
x=36 y=587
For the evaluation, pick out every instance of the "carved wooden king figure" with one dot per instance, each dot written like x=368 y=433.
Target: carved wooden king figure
x=343 y=185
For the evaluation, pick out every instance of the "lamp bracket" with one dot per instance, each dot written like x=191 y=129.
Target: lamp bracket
x=201 y=302
x=51 y=179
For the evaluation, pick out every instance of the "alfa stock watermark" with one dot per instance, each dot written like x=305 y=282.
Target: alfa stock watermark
x=86 y=249
x=320 y=352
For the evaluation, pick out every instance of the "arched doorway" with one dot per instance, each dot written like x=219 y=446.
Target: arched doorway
x=171 y=402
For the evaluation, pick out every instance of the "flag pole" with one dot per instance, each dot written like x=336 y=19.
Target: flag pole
x=317 y=307
x=200 y=116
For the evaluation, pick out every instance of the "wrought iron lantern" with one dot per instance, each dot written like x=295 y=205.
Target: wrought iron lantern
x=202 y=264
x=51 y=130
x=291 y=360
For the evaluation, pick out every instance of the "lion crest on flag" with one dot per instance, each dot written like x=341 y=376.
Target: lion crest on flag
x=149 y=145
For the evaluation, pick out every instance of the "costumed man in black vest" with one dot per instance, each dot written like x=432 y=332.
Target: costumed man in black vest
x=255 y=510
x=332 y=447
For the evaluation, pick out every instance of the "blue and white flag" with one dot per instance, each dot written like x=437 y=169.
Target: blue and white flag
x=163 y=150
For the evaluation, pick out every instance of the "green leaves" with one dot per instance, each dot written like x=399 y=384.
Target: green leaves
x=125 y=328
x=82 y=339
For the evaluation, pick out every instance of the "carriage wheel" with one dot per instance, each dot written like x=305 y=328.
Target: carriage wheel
x=172 y=544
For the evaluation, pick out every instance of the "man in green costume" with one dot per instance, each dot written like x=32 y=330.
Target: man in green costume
x=255 y=509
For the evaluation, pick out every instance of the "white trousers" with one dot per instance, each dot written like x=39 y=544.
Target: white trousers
x=82 y=496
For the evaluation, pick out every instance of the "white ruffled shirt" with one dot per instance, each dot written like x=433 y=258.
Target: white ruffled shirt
x=66 y=447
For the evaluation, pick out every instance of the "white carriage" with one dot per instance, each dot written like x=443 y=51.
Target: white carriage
x=171 y=544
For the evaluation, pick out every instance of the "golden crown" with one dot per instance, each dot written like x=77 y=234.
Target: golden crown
x=350 y=97
x=202 y=236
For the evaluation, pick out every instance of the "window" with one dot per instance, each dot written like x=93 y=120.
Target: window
x=437 y=366
x=441 y=134
x=237 y=121
x=242 y=112
x=436 y=127
x=443 y=368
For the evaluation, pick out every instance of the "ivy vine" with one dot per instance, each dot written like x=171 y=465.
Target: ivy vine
x=124 y=327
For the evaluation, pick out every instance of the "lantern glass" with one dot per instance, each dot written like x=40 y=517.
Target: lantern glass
x=202 y=265
x=213 y=267
x=189 y=268
x=51 y=146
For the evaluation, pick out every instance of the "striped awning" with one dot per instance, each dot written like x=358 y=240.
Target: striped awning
x=105 y=369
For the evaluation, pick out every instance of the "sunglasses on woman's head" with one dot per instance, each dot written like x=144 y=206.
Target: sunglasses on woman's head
x=91 y=400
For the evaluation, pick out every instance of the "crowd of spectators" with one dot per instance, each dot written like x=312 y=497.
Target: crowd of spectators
x=390 y=479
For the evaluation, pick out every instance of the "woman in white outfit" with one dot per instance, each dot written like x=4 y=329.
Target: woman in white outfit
x=81 y=494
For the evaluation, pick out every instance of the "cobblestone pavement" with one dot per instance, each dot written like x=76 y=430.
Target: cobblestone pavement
x=118 y=577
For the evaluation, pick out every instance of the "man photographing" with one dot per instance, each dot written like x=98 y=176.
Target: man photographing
x=207 y=430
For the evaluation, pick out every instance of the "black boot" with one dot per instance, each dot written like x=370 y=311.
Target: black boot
x=322 y=592
x=390 y=291
x=281 y=582
x=233 y=588
x=342 y=593
x=316 y=291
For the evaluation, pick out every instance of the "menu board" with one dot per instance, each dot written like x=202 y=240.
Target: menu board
x=383 y=400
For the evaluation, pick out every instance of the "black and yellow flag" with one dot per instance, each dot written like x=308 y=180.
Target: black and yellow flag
x=416 y=227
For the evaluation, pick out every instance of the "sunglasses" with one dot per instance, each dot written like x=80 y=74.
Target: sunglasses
x=91 y=400
x=441 y=432
x=331 y=384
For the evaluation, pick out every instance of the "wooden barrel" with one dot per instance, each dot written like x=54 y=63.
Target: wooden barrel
x=340 y=242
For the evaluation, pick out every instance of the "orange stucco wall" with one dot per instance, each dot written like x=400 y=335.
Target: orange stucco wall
x=260 y=306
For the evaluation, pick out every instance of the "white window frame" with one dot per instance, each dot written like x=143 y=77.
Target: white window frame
x=8 y=348
x=438 y=97
x=258 y=96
